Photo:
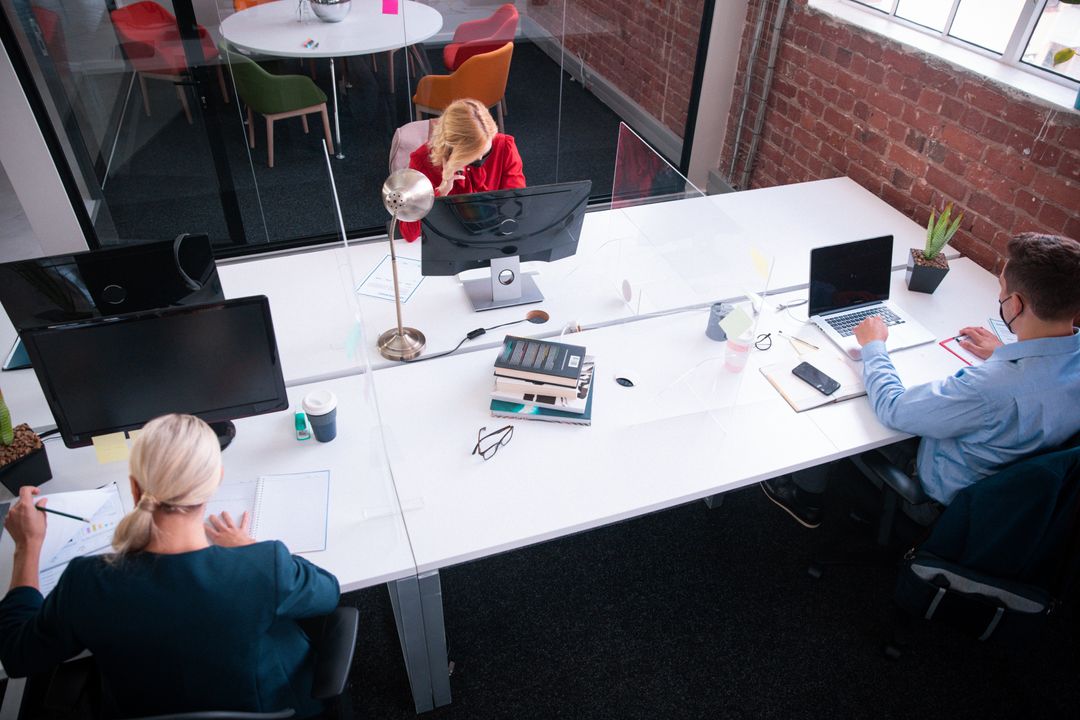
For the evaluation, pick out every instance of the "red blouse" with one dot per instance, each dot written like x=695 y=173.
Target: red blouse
x=501 y=171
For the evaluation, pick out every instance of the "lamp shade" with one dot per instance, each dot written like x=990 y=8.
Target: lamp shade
x=408 y=195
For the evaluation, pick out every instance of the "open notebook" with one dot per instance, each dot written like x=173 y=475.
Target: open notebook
x=802 y=396
x=289 y=508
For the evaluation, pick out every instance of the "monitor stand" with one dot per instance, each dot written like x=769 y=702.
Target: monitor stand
x=506 y=287
x=225 y=431
x=17 y=359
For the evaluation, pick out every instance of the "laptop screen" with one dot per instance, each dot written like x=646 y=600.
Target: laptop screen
x=850 y=274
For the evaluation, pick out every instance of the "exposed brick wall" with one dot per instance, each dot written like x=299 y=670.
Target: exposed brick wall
x=646 y=48
x=913 y=129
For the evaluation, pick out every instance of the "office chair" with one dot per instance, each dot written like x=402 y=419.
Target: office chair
x=408 y=138
x=276 y=97
x=333 y=641
x=482 y=77
x=151 y=41
x=999 y=557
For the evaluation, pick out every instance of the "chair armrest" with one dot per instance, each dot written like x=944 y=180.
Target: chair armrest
x=334 y=650
x=476 y=29
x=875 y=465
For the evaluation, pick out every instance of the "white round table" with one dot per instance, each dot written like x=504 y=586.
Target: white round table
x=275 y=29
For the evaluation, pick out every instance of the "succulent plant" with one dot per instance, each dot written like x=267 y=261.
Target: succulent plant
x=939 y=231
x=7 y=434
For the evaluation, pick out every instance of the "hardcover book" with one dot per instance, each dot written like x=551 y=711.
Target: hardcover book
x=540 y=360
x=539 y=397
x=521 y=411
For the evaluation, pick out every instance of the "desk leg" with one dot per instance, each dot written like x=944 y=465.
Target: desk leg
x=435 y=630
x=337 y=122
x=409 y=618
x=714 y=501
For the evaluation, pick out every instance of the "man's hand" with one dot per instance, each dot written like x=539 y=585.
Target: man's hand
x=224 y=532
x=978 y=341
x=25 y=522
x=871 y=329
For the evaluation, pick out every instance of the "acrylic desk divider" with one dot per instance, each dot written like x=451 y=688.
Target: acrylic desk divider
x=675 y=255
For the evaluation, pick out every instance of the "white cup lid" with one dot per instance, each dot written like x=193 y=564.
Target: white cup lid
x=319 y=402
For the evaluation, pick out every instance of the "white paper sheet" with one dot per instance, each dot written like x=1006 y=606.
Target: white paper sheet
x=380 y=281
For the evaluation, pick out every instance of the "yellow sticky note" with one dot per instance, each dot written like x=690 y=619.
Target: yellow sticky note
x=761 y=264
x=736 y=323
x=111 y=448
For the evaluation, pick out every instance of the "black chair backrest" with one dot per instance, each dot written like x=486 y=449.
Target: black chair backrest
x=1016 y=524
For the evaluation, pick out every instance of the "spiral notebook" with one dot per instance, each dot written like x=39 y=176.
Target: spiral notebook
x=290 y=508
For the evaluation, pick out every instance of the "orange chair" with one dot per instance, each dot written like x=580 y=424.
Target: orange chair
x=482 y=77
x=480 y=36
x=239 y=5
x=151 y=41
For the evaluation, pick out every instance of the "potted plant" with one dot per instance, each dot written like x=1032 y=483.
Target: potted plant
x=1064 y=55
x=22 y=454
x=926 y=268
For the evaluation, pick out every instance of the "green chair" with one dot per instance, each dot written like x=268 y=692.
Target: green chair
x=276 y=97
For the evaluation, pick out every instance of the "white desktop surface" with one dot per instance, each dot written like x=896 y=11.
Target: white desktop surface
x=554 y=479
x=275 y=29
x=661 y=248
x=366 y=539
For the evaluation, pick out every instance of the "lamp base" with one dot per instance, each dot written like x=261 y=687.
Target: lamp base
x=401 y=346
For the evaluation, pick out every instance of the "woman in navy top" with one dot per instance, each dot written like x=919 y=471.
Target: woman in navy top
x=175 y=623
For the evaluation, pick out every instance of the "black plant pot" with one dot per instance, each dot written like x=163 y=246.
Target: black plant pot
x=924 y=278
x=32 y=469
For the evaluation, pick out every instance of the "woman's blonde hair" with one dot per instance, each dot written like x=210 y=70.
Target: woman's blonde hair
x=176 y=461
x=461 y=134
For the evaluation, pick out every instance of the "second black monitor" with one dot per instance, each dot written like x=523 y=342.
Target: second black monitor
x=501 y=229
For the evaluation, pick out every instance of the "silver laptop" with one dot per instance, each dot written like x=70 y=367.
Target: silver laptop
x=849 y=283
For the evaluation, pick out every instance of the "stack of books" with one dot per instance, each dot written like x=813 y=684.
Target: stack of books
x=543 y=380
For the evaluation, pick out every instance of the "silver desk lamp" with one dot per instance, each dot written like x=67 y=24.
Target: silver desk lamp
x=407 y=195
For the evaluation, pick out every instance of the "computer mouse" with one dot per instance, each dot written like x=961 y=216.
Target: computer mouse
x=855 y=353
x=626 y=377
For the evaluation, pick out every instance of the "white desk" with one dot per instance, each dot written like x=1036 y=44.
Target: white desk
x=675 y=255
x=275 y=29
x=552 y=480
x=650 y=447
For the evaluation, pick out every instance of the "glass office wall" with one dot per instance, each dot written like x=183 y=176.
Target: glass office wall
x=158 y=104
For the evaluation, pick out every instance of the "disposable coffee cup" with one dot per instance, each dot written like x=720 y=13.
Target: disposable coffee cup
x=320 y=407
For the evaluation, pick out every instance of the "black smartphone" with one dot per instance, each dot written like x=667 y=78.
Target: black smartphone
x=810 y=374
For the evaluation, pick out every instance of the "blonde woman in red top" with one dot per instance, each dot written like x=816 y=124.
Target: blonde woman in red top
x=466 y=154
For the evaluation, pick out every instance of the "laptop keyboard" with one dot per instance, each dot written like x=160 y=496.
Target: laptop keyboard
x=845 y=324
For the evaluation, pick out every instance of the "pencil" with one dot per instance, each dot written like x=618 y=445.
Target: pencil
x=64 y=514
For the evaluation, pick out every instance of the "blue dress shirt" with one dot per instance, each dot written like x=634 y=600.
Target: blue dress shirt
x=1024 y=399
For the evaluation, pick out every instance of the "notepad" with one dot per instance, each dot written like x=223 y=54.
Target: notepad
x=800 y=395
x=290 y=508
x=67 y=539
x=953 y=345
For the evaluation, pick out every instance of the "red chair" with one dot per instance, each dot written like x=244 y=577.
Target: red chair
x=481 y=36
x=151 y=41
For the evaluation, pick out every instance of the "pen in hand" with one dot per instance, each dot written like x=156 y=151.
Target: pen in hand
x=63 y=514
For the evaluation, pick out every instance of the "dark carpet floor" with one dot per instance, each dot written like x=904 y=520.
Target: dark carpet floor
x=164 y=179
x=698 y=613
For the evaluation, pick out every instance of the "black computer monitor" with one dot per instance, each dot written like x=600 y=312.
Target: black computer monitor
x=501 y=229
x=218 y=361
x=110 y=281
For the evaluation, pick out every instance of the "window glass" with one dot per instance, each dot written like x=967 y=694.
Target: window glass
x=986 y=23
x=929 y=13
x=1058 y=28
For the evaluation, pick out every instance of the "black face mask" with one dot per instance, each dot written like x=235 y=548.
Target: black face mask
x=1008 y=323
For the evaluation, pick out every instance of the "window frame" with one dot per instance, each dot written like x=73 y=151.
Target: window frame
x=1012 y=56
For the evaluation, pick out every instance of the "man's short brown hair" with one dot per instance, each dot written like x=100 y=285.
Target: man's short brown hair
x=1045 y=269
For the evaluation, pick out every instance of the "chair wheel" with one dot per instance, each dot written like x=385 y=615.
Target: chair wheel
x=892 y=651
x=815 y=571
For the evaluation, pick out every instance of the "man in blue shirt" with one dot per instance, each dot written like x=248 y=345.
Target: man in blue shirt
x=1023 y=400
